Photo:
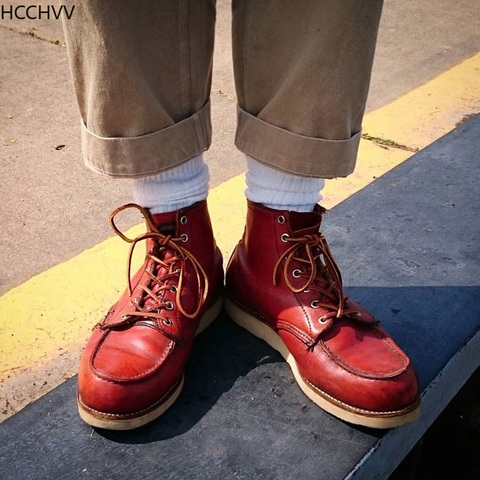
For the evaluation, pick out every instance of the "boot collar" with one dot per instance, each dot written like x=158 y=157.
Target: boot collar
x=300 y=223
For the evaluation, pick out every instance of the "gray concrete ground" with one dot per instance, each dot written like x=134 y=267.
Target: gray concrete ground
x=52 y=208
x=241 y=415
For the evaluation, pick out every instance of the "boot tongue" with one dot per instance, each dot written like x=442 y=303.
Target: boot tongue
x=309 y=224
x=165 y=222
x=303 y=223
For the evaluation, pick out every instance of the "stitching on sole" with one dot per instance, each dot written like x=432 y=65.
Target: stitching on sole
x=127 y=416
x=361 y=411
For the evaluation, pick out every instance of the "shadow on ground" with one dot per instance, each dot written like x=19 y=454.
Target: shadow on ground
x=241 y=414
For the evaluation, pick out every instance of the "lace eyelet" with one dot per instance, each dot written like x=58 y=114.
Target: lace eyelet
x=358 y=314
x=134 y=300
x=167 y=322
x=183 y=220
x=169 y=305
x=174 y=289
x=184 y=237
x=315 y=304
x=296 y=273
x=322 y=320
x=281 y=219
x=284 y=237
x=124 y=317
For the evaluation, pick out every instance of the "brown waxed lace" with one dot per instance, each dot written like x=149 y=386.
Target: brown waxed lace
x=327 y=279
x=164 y=242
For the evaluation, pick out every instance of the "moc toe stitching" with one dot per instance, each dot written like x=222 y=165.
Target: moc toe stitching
x=362 y=373
x=394 y=371
x=128 y=379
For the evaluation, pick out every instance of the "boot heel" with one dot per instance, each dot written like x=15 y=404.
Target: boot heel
x=210 y=315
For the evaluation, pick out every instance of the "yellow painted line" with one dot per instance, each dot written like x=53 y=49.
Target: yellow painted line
x=45 y=322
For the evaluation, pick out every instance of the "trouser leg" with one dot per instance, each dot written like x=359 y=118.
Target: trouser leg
x=142 y=75
x=302 y=72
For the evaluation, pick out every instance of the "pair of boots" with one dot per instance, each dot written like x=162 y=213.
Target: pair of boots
x=282 y=285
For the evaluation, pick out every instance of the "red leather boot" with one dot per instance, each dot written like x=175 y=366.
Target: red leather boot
x=133 y=365
x=284 y=286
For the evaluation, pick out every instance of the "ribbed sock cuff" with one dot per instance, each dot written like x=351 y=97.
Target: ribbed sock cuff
x=176 y=188
x=280 y=190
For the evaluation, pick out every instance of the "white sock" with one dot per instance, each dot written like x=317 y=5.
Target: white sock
x=178 y=187
x=280 y=190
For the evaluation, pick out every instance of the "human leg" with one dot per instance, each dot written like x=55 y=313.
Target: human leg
x=302 y=76
x=142 y=74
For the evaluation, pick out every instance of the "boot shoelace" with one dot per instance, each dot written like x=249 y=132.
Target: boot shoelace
x=157 y=284
x=313 y=253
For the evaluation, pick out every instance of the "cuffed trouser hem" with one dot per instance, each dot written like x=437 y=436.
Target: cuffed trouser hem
x=133 y=157
x=294 y=153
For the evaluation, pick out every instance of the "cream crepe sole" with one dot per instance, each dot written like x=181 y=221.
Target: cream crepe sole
x=336 y=407
x=110 y=421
